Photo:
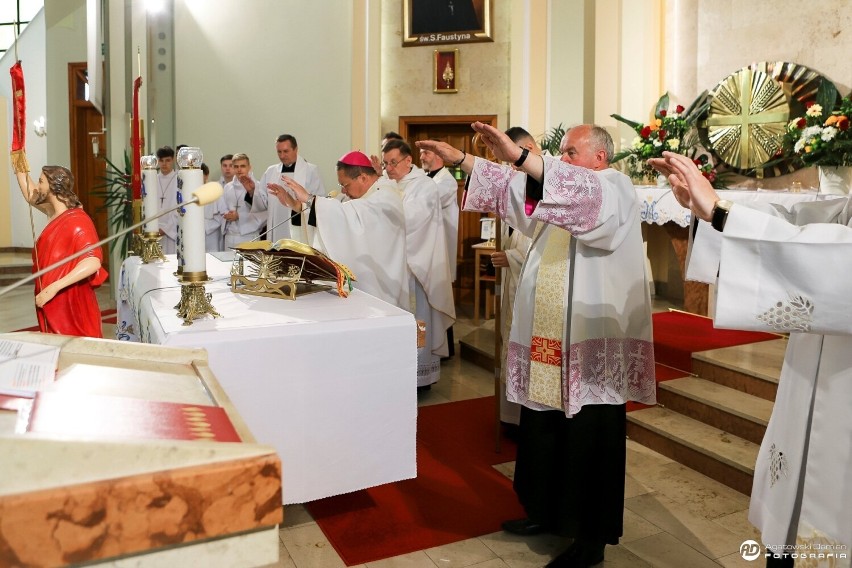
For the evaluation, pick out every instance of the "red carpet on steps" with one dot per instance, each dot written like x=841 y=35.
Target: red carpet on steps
x=677 y=335
x=457 y=493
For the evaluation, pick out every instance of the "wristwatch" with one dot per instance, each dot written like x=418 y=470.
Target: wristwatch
x=524 y=153
x=719 y=215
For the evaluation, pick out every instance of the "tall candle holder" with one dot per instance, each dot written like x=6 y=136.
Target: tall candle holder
x=194 y=300
x=148 y=242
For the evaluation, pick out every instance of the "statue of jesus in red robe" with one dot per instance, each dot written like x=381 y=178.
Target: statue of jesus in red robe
x=65 y=297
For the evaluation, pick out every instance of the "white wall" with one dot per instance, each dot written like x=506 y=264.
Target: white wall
x=13 y=209
x=244 y=76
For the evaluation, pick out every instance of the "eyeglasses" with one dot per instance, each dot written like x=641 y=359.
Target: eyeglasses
x=345 y=185
x=393 y=163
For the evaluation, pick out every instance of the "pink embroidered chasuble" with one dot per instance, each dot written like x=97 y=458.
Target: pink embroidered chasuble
x=606 y=319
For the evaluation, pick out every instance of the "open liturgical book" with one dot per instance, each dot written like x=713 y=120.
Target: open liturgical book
x=76 y=416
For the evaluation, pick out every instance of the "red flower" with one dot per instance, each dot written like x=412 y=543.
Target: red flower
x=801 y=123
x=697 y=162
x=663 y=134
x=679 y=109
x=645 y=132
x=842 y=123
x=809 y=104
x=663 y=112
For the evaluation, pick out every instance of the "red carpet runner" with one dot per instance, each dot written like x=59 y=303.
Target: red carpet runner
x=457 y=493
x=677 y=335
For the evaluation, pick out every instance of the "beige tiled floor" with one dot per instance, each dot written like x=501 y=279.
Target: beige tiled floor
x=673 y=516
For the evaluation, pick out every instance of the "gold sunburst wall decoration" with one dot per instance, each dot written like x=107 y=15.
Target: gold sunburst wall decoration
x=749 y=112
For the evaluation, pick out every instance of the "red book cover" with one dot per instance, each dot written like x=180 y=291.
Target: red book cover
x=72 y=415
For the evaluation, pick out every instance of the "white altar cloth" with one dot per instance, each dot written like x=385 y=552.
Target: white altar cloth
x=329 y=382
x=657 y=205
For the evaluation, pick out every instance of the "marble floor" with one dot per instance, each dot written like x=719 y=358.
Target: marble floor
x=673 y=516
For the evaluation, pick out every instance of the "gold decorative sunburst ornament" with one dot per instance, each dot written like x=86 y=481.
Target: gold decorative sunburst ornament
x=749 y=111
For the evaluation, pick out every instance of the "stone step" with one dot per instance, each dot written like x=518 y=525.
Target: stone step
x=720 y=455
x=478 y=348
x=753 y=368
x=717 y=405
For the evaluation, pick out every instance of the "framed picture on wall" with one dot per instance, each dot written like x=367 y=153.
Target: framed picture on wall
x=435 y=22
x=444 y=73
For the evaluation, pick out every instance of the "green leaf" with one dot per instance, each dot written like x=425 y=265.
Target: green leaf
x=631 y=123
x=826 y=97
x=662 y=104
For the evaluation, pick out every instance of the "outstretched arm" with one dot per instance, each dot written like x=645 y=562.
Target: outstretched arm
x=690 y=188
x=29 y=190
x=83 y=269
x=501 y=146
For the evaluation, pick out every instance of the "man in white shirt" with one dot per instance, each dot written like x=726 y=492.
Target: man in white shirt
x=787 y=271
x=366 y=231
x=426 y=251
x=167 y=189
x=241 y=222
x=282 y=224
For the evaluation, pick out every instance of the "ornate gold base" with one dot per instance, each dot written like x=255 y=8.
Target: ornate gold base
x=194 y=303
x=148 y=247
x=286 y=289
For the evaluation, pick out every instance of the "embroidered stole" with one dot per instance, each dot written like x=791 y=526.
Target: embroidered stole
x=545 y=384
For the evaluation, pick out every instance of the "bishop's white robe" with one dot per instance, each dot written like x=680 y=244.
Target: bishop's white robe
x=279 y=216
x=248 y=224
x=368 y=235
x=431 y=280
x=606 y=323
x=790 y=272
x=448 y=193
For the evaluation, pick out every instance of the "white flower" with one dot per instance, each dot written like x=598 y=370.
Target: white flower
x=814 y=110
x=673 y=143
x=793 y=124
x=657 y=143
x=637 y=142
x=828 y=133
x=800 y=143
x=812 y=132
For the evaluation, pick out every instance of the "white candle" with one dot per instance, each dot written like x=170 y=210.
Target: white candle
x=150 y=207
x=192 y=238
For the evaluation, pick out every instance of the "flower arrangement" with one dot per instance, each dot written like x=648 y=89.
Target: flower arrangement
x=822 y=136
x=670 y=130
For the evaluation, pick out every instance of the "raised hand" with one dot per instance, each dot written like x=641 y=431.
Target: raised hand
x=690 y=188
x=284 y=196
x=376 y=163
x=503 y=148
x=447 y=152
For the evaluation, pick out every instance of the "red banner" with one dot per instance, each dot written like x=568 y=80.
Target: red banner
x=19 y=108
x=136 y=143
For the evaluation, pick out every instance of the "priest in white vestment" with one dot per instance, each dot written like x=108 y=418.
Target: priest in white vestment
x=448 y=190
x=581 y=342
x=242 y=224
x=281 y=223
x=366 y=231
x=426 y=253
x=788 y=271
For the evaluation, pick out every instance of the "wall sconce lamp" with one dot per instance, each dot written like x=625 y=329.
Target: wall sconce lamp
x=40 y=127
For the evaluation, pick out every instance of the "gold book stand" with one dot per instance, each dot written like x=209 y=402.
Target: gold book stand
x=285 y=269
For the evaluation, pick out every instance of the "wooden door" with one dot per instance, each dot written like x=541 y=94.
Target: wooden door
x=456 y=131
x=86 y=136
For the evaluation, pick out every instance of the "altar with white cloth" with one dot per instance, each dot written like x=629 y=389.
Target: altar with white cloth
x=329 y=382
x=658 y=206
